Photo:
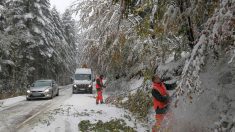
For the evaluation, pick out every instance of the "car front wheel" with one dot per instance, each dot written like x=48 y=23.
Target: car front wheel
x=52 y=95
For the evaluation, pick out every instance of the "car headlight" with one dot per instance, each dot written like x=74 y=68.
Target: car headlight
x=28 y=91
x=75 y=85
x=89 y=86
x=47 y=90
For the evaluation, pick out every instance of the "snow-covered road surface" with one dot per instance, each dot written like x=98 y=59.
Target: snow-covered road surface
x=62 y=114
x=18 y=111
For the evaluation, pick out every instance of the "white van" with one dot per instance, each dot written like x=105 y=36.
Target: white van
x=83 y=80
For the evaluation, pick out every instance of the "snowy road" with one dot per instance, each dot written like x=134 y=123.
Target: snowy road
x=62 y=114
x=17 y=115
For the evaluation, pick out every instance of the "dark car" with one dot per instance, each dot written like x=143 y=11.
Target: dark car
x=42 y=89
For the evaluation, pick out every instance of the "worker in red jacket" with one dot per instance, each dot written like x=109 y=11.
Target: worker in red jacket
x=161 y=99
x=99 y=88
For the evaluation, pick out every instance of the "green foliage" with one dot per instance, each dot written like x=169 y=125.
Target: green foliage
x=183 y=29
x=115 y=125
x=148 y=73
x=144 y=10
x=139 y=103
x=143 y=29
x=84 y=125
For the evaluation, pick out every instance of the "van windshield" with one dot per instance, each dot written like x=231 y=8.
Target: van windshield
x=82 y=77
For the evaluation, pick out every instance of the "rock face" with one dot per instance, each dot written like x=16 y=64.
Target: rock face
x=214 y=109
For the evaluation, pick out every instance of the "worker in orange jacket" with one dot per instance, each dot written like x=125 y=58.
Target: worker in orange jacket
x=99 y=88
x=161 y=99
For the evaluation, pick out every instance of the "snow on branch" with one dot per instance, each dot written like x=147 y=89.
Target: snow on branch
x=190 y=78
x=217 y=30
x=8 y=62
x=231 y=60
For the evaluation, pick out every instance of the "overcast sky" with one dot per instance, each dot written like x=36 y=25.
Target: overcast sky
x=61 y=5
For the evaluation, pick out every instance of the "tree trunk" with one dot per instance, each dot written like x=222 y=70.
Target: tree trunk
x=190 y=33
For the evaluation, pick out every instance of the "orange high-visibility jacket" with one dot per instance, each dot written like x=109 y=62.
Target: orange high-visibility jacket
x=160 y=87
x=99 y=85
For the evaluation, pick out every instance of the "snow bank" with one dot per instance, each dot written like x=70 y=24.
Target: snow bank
x=11 y=101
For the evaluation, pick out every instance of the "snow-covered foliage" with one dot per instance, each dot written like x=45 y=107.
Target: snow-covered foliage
x=152 y=34
x=129 y=38
x=112 y=45
x=218 y=33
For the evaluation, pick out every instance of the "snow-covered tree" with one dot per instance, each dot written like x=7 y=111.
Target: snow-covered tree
x=2 y=8
x=127 y=37
x=66 y=49
x=69 y=27
x=118 y=43
x=172 y=38
x=33 y=44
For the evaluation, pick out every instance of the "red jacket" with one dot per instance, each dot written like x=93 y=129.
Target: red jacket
x=99 y=83
x=162 y=98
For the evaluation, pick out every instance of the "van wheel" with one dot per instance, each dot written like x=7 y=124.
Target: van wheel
x=90 y=91
x=57 y=93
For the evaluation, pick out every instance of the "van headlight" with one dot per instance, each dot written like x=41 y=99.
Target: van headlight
x=75 y=85
x=28 y=91
x=47 y=90
x=89 y=86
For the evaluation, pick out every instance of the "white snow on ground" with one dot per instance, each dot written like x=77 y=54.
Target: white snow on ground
x=10 y=101
x=80 y=107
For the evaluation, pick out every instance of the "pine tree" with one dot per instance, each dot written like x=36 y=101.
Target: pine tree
x=2 y=8
x=15 y=33
x=64 y=53
x=57 y=22
x=69 y=27
x=35 y=44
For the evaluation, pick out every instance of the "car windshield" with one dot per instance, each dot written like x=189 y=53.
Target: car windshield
x=42 y=83
x=82 y=77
